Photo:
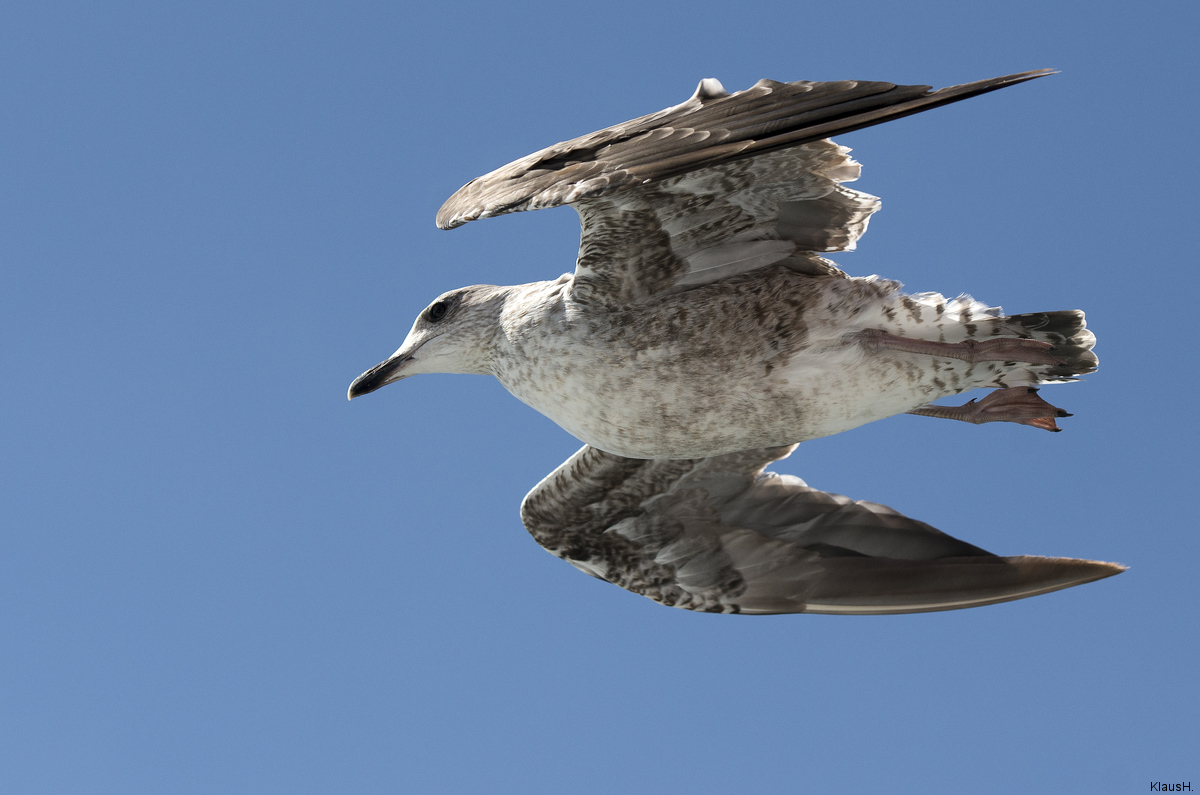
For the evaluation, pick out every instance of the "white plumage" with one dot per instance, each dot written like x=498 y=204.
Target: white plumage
x=702 y=335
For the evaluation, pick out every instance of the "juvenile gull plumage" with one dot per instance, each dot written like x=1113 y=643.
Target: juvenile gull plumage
x=702 y=335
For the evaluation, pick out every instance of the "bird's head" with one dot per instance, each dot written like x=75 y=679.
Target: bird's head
x=451 y=335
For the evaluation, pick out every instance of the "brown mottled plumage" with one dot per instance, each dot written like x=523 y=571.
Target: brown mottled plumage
x=718 y=535
x=702 y=333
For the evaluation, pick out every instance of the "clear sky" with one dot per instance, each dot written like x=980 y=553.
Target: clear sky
x=216 y=575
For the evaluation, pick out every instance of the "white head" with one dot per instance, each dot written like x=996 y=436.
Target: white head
x=454 y=334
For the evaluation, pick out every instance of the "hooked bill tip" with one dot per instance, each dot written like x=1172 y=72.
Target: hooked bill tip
x=364 y=384
x=378 y=376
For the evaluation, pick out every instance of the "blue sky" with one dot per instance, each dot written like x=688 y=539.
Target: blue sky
x=216 y=575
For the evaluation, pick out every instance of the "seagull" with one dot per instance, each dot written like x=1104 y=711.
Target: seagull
x=702 y=336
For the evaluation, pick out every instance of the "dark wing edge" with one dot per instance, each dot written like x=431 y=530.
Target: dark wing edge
x=721 y=535
x=711 y=127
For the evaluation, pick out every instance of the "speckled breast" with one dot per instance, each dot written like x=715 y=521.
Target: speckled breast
x=732 y=366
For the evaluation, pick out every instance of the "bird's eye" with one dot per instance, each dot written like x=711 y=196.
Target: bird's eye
x=437 y=311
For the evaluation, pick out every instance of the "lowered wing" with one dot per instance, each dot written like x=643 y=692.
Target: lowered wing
x=720 y=535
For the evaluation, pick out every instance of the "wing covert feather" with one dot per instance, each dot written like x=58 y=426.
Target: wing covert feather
x=716 y=186
x=709 y=128
x=720 y=535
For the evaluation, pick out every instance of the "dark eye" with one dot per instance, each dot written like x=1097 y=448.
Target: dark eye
x=437 y=311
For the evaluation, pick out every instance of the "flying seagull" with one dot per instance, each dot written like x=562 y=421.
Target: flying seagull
x=702 y=336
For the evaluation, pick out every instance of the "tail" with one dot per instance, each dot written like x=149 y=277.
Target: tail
x=965 y=318
x=1068 y=332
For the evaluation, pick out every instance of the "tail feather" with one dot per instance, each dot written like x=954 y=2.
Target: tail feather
x=964 y=318
x=1067 y=331
x=932 y=316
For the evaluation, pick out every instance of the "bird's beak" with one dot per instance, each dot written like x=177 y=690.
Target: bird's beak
x=380 y=375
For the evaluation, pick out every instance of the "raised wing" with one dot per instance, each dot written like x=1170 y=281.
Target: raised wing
x=719 y=185
x=720 y=535
x=707 y=225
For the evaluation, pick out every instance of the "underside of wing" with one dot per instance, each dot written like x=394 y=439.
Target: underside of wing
x=719 y=185
x=711 y=127
x=720 y=535
x=784 y=207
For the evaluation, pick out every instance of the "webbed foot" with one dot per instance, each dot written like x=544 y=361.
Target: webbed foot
x=1019 y=404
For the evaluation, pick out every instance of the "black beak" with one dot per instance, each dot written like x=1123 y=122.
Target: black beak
x=380 y=375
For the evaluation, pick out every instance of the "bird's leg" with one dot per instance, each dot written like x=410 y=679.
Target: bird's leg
x=1019 y=404
x=997 y=349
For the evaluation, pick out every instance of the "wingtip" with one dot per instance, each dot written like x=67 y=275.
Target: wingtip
x=1021 y=77
x=867 y=586
x=1109 y=569
x=1032 y=73
x=976 y=87
x=1069 y=572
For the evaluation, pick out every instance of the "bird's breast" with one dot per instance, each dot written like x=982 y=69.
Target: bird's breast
x=754 y=363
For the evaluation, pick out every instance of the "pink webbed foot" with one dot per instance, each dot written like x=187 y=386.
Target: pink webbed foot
x=1019 y=404
x=997 y=349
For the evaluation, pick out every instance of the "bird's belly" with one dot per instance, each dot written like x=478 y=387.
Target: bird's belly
x=655 y=405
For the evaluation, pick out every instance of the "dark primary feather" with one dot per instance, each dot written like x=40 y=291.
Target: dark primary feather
x=719 y=185
x=720 y=535
x=706 y=130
